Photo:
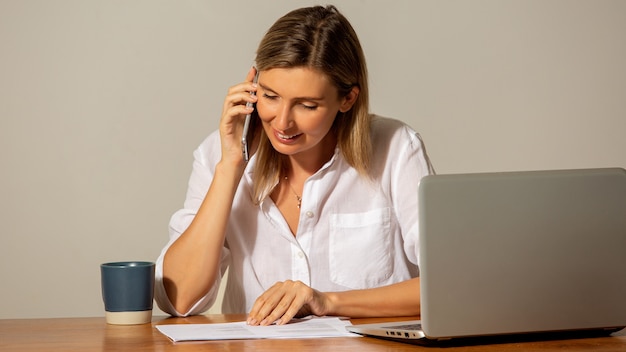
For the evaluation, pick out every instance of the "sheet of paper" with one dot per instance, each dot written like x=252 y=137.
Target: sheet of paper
x=309 y=328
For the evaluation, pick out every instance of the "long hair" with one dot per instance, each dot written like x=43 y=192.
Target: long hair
x=320 y=38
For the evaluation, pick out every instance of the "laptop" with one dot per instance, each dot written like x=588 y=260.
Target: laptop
x=518 y=253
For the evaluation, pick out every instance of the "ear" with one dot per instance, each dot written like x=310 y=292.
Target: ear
x=350 y=99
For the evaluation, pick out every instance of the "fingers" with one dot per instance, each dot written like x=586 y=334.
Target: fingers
x=280 y=303
x=240 y=94
x=237 y=104
x=251 y=74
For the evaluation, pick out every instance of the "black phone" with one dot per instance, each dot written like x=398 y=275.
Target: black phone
x=248 y=127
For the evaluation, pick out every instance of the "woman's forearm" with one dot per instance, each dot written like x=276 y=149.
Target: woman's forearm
x=191 y=264
x=400 y=299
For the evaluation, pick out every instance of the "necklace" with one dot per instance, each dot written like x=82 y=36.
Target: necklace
x=298 y=198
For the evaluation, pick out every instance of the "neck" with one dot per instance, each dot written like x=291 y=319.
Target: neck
x=310 y=161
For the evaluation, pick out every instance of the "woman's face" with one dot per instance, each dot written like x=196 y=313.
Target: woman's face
x=298 y=107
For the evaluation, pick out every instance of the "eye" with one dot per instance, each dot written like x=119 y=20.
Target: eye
x=310 y=107
x=269 y=97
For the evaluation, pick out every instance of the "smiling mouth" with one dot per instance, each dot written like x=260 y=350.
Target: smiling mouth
x=286 y=136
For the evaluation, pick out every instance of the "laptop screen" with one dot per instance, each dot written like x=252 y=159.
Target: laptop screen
x=520 y=252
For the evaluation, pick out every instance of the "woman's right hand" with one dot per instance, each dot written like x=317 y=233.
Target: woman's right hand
x=233 y=115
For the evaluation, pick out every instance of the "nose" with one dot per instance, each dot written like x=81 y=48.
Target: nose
x=283 y=120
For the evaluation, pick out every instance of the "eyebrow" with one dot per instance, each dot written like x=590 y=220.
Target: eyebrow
x=296 y=98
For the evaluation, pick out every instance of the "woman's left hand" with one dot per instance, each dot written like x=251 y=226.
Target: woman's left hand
x=286 y=300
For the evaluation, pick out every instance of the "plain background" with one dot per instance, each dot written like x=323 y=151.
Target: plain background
x=103 y=102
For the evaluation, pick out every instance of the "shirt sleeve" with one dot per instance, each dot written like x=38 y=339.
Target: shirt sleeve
x=205 y=158
x=407 y=169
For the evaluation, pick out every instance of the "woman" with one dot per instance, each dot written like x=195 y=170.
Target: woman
x=323 y=218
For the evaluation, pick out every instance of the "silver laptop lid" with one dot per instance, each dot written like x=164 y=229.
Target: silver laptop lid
x=522 y=252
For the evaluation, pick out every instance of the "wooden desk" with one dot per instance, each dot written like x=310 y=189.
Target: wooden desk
x=93 y=334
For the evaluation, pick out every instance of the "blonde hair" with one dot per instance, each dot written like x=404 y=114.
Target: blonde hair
x=320 y=38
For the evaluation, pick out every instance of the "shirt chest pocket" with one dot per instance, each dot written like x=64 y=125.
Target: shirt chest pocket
x=360 y=252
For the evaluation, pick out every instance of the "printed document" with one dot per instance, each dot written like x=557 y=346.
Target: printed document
x=297 y=329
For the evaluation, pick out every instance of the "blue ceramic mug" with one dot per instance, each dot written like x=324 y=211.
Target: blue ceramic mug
x=128 y=291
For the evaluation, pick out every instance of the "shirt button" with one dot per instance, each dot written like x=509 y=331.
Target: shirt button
x=300 y=254
x=309 y=214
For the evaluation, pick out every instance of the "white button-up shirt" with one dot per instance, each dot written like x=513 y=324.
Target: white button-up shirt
x=353 y=232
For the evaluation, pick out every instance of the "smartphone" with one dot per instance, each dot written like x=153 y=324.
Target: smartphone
x=248 y=128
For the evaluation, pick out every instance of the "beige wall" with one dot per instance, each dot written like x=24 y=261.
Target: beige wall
x=103 y=102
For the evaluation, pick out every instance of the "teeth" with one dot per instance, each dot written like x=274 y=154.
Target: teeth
x=284 y=136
